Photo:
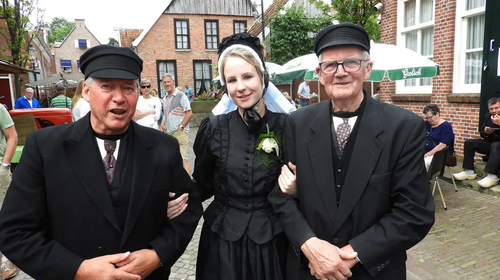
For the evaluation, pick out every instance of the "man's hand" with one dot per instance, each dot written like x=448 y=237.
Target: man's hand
x=288 y=180
x=495 y=119
x=103 y=268
x=179 y=129
x=177 y=206
x=326 y=260
x=488 y=130
x=349 y=250
x=141 y=263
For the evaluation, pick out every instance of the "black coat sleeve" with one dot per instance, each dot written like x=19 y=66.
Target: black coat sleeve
x=24 y=238
x=204 y=164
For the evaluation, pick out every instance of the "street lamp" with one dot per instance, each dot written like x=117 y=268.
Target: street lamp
x=34 y=65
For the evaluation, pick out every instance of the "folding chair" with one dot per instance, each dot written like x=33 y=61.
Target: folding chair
x=436 y=169
x=452 y=147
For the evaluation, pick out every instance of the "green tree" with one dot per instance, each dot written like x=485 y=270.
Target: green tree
x=113 y=42
x=362 y=12
x=292 y=33
x=17 y=34
x=59 y=29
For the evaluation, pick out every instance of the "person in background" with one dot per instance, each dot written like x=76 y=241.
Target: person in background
x=154 y=92
x=148 y=110
x=489 y=145
x=189 y=92
x=288 y=97
x=177 y=111
x=438 y=133
x=353 y=196
x=8 y=143
x=79 y=106
x=27 y=101
x=44 y=103
x=313 y=99
x=61 y=100
x=304 y=92
x=241 y=238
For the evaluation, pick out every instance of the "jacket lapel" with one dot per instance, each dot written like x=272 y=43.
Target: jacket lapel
x=320 y=152
x=82 y=154
x=365 y=155
x=144 y=165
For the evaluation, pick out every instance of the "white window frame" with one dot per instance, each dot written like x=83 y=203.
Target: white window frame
x=459 y=85
x=401 y=41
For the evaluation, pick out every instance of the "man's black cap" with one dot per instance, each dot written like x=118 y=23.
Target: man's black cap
x=341 y=34
x=110 y=62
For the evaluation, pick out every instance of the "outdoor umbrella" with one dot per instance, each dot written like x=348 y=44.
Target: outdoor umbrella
x=295 y=69
x=395 y=63
x=71 y=80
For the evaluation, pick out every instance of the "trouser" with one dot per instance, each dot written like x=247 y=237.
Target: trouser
x=303 y=102
x=483 y=147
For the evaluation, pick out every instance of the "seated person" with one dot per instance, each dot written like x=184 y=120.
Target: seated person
x=438 y=132
x=313 y=99
x=488 y=145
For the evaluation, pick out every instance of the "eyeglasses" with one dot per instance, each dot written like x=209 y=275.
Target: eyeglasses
x=429 y=117
x=145 y=86
x=349 y=65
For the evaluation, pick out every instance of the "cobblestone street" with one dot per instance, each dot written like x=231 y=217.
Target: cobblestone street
x=463 y=244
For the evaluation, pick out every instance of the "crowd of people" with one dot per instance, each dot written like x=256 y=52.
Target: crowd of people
x=336 y=190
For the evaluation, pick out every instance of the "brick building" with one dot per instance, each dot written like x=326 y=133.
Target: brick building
x=184 y=39
x=39 y=62
x=450 y=32
x=67 y=53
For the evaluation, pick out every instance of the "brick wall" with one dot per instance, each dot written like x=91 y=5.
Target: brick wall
x=68 y=50
x=461 y=110
x=159 y=44
x=127 y=36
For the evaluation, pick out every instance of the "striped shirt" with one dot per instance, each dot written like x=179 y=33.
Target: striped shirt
x=61 y=101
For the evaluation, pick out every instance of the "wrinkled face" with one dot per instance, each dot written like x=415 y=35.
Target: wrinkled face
x=112 y=104
x=145 y=89
x=432 y=119
x=494 y=109
x=243 y=82
x=313 y=101
x=342 y=85
x=29 y=94
x=168 y=84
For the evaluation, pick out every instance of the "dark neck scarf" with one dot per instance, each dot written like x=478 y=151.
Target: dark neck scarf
x=109 y=137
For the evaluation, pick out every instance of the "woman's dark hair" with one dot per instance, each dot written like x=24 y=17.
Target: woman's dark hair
x=433 y=108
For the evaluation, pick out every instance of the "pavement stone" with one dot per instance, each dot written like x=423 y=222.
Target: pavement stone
x=464 y=243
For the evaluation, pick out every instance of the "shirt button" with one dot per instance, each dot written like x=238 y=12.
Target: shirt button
x=248 y=144
x=245 y=164
x=246 y=179
x=338 y=202
x=339 y=170
x=100 y=249
x=335 y=240
x=339 y=186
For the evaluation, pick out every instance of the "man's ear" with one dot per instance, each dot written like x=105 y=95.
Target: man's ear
x=320 y=75
x=86 y=92
x=369 y=66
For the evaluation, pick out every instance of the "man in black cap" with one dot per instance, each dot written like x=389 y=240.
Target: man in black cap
x=89 y=199
x=358 y=196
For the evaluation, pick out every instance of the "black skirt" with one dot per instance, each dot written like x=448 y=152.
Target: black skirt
x=244 y=259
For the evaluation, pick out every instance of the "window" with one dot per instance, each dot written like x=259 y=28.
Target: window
x=82 y=43
x=211 y=34
x=239 y=26
x=78 y=65
x=418 y=36
x=202 y=75
x=66 y=65
x=162 y=67
x=181 y=34
x=469 y=40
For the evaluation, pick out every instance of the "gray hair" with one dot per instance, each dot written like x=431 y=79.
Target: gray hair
x=169 y=76
x=28 y=88
x=60 y=89
x=89 y=81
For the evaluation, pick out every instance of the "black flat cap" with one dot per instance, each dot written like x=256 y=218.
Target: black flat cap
x=110 y=62
x=341 y=34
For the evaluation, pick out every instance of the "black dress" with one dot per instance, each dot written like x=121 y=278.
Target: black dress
x=241 y=237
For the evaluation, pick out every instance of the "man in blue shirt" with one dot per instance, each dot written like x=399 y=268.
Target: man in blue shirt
x=27 y=101
x=189 y=92
x=304 y=92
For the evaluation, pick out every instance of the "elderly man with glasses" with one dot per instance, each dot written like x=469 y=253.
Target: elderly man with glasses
x=355 y=194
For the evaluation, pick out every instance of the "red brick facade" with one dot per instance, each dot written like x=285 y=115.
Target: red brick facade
x=461 y=110
x=127 y=36
x=159 y=44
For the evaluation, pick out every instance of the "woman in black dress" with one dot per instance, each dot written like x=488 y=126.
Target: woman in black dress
x=241 y=237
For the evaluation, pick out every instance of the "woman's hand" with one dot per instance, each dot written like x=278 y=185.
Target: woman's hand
x=288 y=181
x=177 y=206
